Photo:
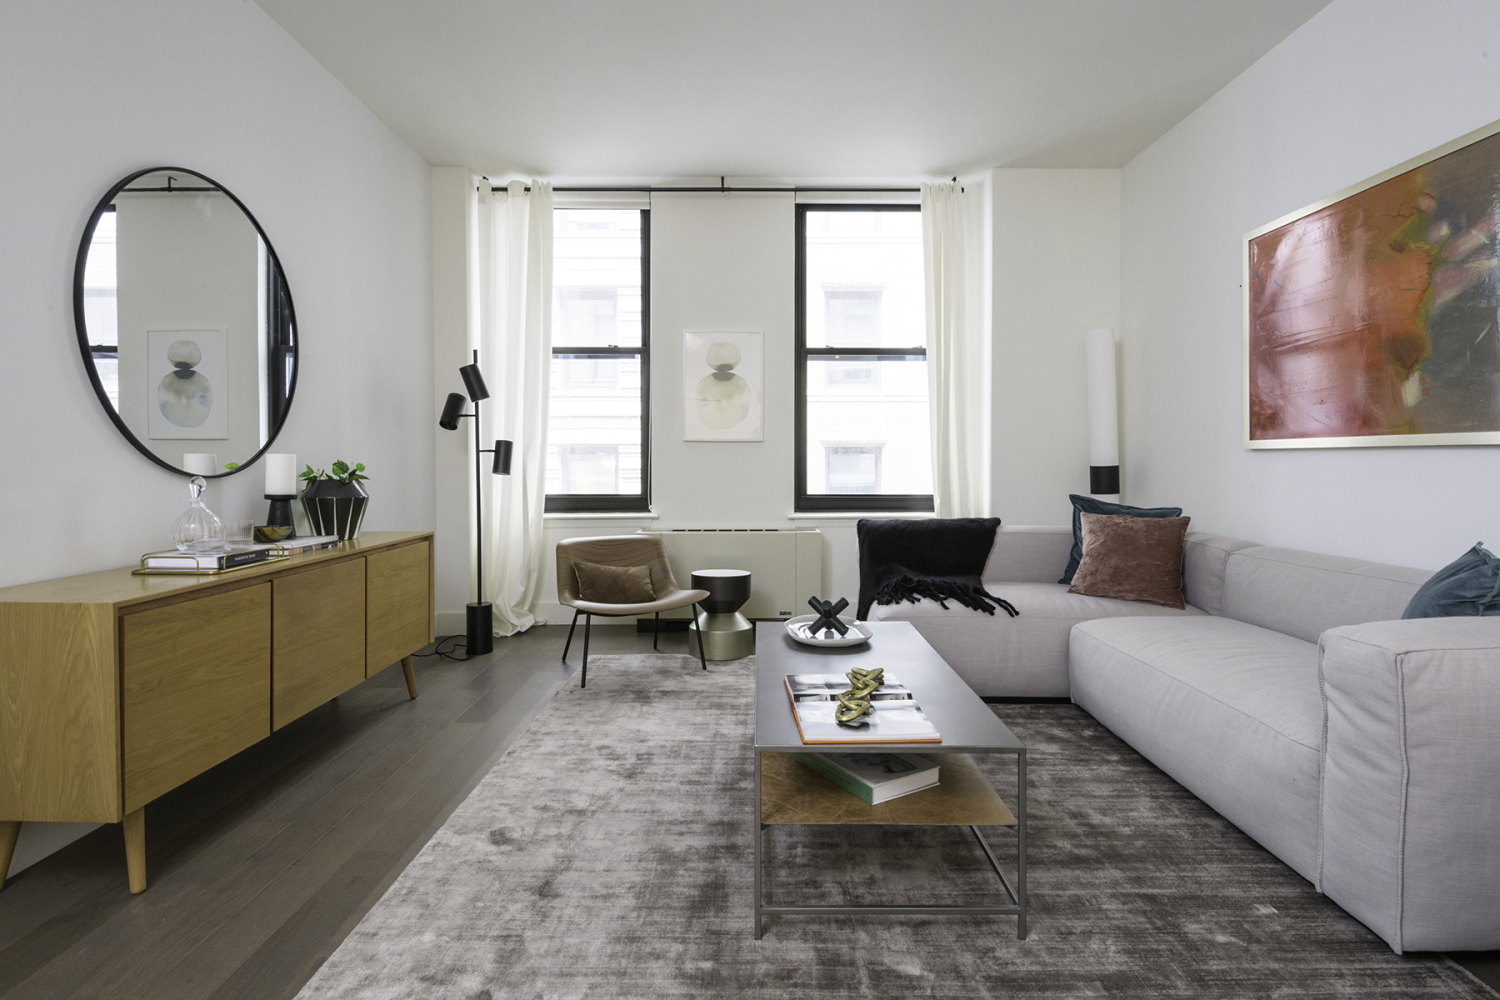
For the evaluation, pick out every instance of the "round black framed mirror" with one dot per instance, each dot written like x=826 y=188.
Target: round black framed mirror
x=185 y=322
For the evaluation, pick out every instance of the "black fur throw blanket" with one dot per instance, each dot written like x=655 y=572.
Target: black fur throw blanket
x=941 y=559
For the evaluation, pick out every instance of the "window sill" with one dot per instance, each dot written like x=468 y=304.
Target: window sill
x=840 y=515
x=613 y=515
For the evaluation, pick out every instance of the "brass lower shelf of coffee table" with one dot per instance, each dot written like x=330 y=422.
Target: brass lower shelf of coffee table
x=792 y=794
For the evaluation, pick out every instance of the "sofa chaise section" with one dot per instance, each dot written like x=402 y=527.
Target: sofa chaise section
x=1410 y=813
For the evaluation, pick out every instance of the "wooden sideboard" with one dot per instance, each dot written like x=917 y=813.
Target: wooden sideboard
x=115 y=688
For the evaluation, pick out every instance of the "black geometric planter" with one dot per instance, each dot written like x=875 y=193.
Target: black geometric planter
x=335 y=508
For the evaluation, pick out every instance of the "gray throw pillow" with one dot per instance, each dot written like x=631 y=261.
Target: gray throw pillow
x=600 y=584
x=1469 y=585
x=1088 y=505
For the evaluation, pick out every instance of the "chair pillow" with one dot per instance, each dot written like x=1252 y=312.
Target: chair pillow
x=1469 y=585
x=600 y=584
x=1132 y=558
x=1088 y=505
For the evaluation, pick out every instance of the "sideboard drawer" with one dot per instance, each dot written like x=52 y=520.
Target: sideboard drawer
x=318 y=638
x=195 y=687
x=398 y=601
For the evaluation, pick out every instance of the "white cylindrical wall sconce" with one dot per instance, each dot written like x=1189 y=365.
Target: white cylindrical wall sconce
x=1104 y=417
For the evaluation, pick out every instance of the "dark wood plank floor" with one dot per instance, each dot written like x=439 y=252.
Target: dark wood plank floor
x=260 y=867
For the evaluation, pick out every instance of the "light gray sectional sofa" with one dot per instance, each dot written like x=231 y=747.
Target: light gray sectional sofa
x=1362 y=750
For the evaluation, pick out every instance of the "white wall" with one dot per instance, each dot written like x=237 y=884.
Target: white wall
x=1056 y=262
x=94 y=91
x=1361 y=87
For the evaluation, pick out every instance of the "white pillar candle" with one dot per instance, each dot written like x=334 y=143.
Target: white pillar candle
x=201 y=463
x=281 y=475
x=1104 y=416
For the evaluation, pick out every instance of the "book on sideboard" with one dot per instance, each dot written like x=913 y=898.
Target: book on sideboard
x=208 y=562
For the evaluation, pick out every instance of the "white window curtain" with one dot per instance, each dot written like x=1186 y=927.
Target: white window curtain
x=958 y=355
x=511 y=325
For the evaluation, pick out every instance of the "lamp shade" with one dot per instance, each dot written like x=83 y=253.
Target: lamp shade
x=474 y=382
x=502 y=458
x=452 y=410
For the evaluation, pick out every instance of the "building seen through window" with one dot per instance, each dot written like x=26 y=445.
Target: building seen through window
x=597 y=434
x=863 y=419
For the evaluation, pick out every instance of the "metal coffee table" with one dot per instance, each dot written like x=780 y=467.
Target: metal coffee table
x=787 y=793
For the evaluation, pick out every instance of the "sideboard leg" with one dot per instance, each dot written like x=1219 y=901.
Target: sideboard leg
x=10 y=829
x=411 y=676
x=135 y=850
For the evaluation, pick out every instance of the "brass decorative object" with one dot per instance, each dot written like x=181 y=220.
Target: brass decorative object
x=854 y=704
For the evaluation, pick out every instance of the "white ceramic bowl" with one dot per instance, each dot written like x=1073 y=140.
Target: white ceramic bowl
x=798 y=627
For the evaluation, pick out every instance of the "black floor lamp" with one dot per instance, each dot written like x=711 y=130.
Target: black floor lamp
x=481 y=614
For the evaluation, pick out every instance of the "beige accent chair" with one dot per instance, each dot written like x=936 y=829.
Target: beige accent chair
x=620 y=550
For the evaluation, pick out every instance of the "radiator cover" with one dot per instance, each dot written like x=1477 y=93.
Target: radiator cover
x=786 y=565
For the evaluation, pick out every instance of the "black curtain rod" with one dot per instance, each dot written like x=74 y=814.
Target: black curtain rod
x=724 y=189
x=170 y=190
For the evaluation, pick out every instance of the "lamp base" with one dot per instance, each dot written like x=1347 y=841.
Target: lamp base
x=481 y=629
x=280 y=513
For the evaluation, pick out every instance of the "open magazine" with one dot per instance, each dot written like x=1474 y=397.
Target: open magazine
x=895 y=716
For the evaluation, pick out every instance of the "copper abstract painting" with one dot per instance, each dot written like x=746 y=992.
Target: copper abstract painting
x=1373 y=317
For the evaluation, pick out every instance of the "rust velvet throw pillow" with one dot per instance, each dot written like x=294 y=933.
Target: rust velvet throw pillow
x=1132 y=558
x=600 y=584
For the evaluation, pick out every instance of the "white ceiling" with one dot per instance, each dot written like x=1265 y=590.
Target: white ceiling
x=783 y=89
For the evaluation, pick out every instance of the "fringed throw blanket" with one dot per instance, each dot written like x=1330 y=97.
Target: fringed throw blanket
x=938 y=559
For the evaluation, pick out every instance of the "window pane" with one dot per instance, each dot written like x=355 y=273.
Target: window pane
x=864 y=280
x=596 y=277
x=594 y=425
x=867 y=425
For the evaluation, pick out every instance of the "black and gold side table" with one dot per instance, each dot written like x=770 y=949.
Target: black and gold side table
x=727 y=634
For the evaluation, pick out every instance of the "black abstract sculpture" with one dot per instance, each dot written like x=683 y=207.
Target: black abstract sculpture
x=828 y=615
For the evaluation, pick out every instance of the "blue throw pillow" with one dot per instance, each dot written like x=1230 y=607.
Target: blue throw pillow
x=1469 y=585
x=1088 y=505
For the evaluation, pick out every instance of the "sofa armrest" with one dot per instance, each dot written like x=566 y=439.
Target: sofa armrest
x=1409 y=821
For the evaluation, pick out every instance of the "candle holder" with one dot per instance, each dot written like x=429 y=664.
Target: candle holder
x=280 y=514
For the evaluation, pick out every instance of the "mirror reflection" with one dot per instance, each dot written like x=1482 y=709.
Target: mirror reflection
x=186 y=322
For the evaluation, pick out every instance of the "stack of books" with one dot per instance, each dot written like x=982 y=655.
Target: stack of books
x=207 y=562
x=191 y=563
x=874 y=777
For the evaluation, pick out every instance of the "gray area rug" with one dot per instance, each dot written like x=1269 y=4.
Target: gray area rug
x=608 y=855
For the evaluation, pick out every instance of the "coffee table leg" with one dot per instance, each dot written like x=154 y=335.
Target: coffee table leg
x=1021 y=843
x=759 y=831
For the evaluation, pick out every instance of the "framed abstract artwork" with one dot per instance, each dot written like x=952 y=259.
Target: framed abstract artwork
x=185 y=385
x=1372 y=318
x=723 y=376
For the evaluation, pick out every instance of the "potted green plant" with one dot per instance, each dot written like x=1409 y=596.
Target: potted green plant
x=335 y=501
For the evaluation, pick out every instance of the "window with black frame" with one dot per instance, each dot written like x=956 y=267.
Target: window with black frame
x=863 y=441
x=598 y=434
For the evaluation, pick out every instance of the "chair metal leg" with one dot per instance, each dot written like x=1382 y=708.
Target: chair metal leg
x=588 y=621
x=701 y=658
x=568 y=645
x=656 y=631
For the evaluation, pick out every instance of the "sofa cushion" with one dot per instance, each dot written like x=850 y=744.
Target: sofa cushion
x=1022 y=657
x=1204 y=559
x=1229 y=710
x=1304 y=594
